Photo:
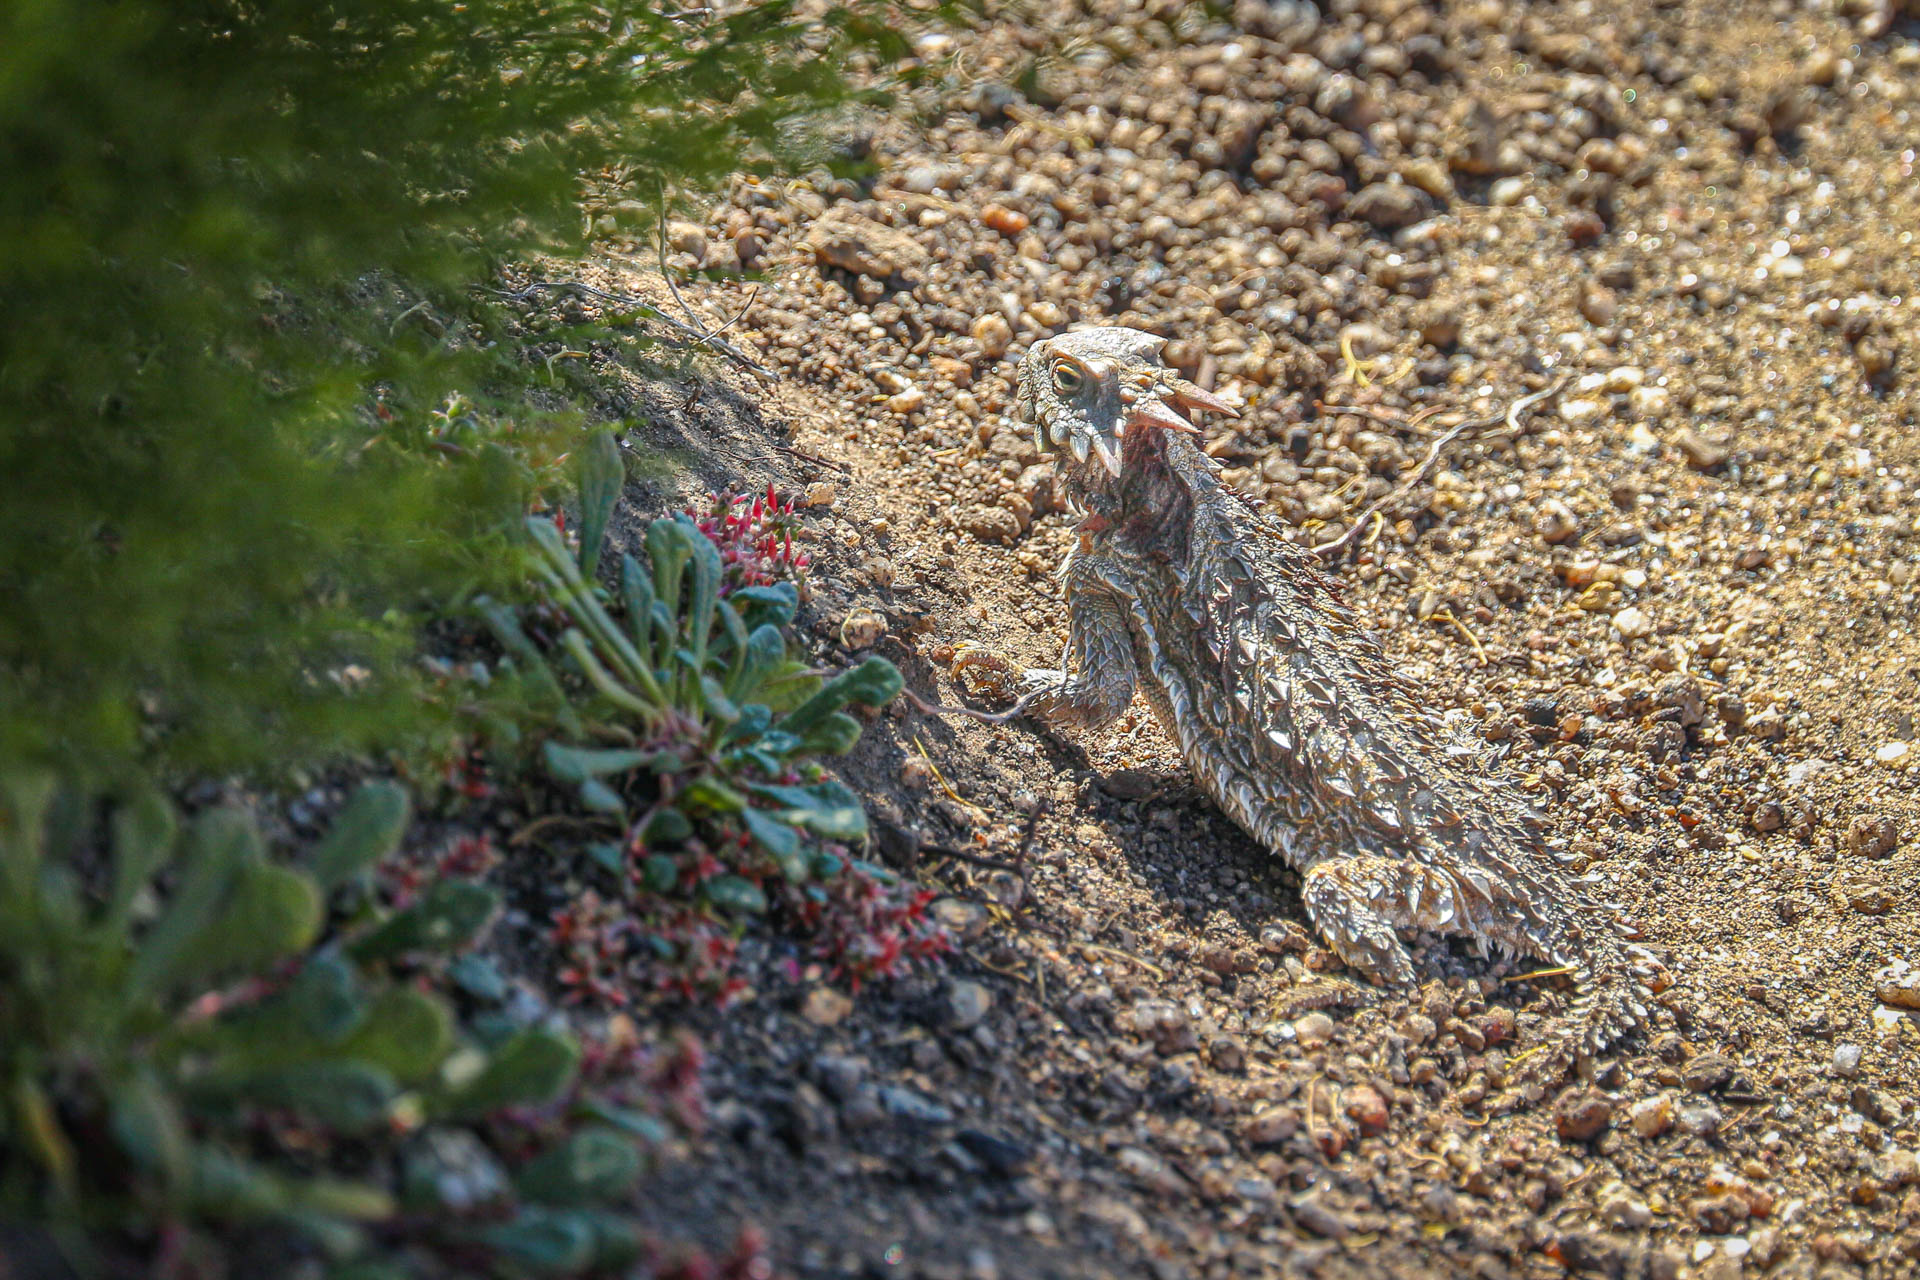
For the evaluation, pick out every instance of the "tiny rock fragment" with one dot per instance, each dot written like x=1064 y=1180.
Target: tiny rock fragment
x=1899 y=986
x=1597 y=303
x=1633 y=623
x=1270 y=1126
x=1313 y=1030
x=993 y=335
x=1226 y=1053
x=1707 y=1072
x=822 y=493
x=862 y=629
x=1894 y=754
x=1389 y=206
x=1150 y=1171
x=1581 y=1113
x=1872 y=837
x=1008 y=222
x=1366 y=1108
x=1864 y=892
x=1167 y=1025
x=1313 y=1214
x=990 y=524
x=1556 y=521
x=966 y=920
x=826 y=1007
x=1699 y=1117
x=851 y=241
x=1701 y=453
x=1651 y=1117
x=967 y=1004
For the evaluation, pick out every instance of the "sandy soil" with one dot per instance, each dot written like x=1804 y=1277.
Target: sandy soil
x=1681 y=595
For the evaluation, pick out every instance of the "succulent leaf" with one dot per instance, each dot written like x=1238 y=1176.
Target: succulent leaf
x=602 y=474
x=366 y=831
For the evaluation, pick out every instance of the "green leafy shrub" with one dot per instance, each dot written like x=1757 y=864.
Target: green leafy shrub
x=215 y=1056
x=241 y=385
x=715 y=803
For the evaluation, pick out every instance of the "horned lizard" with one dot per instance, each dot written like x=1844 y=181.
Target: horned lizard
x=1288 y=713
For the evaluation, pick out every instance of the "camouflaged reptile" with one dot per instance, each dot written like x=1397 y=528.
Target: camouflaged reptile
x=1289 y=714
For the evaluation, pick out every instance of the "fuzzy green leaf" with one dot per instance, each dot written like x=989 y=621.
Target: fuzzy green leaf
x=592 y=1165
x=341 y=1198
x=406 y=1033
x=828 y=809
x=272 y=912
x=833 y=734
x=778 y=839
x=536 y=672
x=349 y=1095
x=735 y=893
x=636 y=594
x=218 y=844
x=366 y=831
x=602 y=474
x=733 y=628
x=772 y=604
x=147 y=1124
x=578 y=764
x=144 y=831
x=223 y=1185
x=667 y=826
x=873 y=683
x=704 y=594
x=662 y=873
x=712 y=794
x=534 y=1066
x=547 y=1242
x=597 y=797
x=713 y=695
x=25 y=796
x=446 y=916
x=324 y=999
x=669 y=547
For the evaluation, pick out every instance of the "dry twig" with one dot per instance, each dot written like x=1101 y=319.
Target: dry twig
x=1510 y=419
x=647 y=309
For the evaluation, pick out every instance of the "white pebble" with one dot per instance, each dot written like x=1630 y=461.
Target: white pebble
x=1581 y=411
x=1649 y=402
x=1633 y=623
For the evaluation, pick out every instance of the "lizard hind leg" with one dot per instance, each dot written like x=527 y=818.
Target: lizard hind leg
x=1356 y=902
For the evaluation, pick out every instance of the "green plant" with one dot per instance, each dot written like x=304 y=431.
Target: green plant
x=715 y=796
x=252 y=428
x=185 y=1044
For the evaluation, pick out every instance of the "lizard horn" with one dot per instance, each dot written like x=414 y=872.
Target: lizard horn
x=1155 y=413
x=1189 y=396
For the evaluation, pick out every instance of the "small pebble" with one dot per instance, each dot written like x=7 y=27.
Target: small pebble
x=1651 y=1117
x=993 y=335
x=1581 y=1113
x=967 y=1004
x=1313 y=1030
x=1633 y=623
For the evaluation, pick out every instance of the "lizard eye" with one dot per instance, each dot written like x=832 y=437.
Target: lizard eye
x=1067 y=380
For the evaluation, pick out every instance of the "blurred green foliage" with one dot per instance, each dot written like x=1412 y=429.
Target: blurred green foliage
x=167 y=1066
x=228 y=500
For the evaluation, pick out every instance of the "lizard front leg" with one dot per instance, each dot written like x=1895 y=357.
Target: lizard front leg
x=1099 y=649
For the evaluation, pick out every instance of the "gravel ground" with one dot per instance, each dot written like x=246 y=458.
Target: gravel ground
x=1681 y=594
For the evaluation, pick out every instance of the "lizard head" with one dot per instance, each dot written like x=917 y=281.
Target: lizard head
x=1086 y=391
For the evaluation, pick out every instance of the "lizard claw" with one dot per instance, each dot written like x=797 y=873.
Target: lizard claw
x=996 y=672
